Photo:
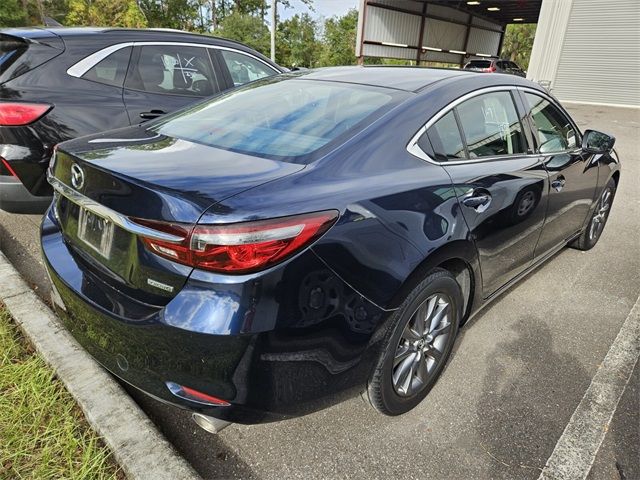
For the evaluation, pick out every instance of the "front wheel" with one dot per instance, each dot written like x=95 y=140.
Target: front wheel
x=591 y=234
x=417 y=345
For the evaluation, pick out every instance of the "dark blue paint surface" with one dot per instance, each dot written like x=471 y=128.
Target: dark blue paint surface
x=305 y=333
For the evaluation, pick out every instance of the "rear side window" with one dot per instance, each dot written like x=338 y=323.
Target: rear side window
x=553 y=128
x=111 y=70
x=244 y=69
x=173 y=70
x=478 y=64
x=491 y=125
x=18 y=56
x=446 y=139
x=282 y=118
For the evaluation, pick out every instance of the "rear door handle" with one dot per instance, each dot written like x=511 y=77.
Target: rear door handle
x=478 y=202
x=151 y=114
x=558 y=184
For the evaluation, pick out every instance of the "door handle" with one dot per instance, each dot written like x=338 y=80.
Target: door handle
x=478 y=202
x=151 y=114
x=558 y=183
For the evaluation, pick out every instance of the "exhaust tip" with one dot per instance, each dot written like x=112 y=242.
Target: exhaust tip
x=210 y=424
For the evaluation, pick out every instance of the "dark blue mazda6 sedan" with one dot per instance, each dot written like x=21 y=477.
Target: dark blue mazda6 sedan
x=313 y=235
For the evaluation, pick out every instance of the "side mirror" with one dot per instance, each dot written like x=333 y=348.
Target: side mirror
x=597 y=142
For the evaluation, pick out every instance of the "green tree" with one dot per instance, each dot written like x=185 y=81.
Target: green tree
x=248 y=29
x=339 y=40
x=112 y=13
x=180 y=14
x=297 y=42
x=518 y=42
x=12 y=13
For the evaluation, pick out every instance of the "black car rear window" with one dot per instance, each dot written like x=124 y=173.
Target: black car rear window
x=282 y=118
x=18 y=56
x=478 y=64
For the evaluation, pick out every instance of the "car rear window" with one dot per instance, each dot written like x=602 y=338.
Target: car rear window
x=478 y=64
x=18 y=56
x=282 y=118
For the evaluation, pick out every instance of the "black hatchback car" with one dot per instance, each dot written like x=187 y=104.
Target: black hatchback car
x=315 y=234
x=61 y=83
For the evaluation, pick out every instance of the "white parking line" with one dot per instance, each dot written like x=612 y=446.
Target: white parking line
x=576 y=450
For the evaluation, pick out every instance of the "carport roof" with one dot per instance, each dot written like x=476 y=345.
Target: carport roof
x=509 y=10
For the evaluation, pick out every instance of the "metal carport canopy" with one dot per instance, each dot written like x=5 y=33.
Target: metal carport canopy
x=450 y=31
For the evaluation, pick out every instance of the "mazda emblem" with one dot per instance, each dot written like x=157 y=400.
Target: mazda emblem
x=77 y=176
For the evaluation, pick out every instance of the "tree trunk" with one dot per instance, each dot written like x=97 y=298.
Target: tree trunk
x=214 y=17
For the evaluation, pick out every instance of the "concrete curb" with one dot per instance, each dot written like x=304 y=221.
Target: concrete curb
x=137 y=445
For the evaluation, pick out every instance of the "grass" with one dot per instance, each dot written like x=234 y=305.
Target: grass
x=43 y=433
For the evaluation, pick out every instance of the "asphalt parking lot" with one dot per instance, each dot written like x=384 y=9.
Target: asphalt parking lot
x=518 y=373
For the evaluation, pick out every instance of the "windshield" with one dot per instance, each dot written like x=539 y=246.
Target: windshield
x=281 y=117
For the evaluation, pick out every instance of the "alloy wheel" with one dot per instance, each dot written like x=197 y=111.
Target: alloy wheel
x=422 y=345
x=600 y=214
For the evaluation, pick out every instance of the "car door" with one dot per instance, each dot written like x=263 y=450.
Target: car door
x=164 y=77
x=501 y=186
x=573 y=175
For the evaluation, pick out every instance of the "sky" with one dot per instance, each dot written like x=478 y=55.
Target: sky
x=323 y=8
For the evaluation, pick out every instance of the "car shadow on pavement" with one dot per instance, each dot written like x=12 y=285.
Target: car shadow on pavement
x=524 y=406
x=210 y=456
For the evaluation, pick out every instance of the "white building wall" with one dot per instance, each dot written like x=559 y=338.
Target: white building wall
x=589 y=50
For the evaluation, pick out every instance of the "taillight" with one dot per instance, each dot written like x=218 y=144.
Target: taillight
x=5 y=166
x=18 y=114
x=490 y=69
x=240 y=247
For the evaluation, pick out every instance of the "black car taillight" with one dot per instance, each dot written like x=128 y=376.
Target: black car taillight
x=14 y=114
x=240 y=247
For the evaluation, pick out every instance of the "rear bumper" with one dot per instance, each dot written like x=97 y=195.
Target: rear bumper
x=15 y=198
x=252 y=341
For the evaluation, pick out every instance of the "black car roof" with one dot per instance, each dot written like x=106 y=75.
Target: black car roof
x=132 y=34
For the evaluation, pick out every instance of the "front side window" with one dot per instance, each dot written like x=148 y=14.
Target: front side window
x=173 y=70
x=491 y=125
x=112 y=69
x=446 y=139
x=244 y=69
x=283 y=118
x=553 y=128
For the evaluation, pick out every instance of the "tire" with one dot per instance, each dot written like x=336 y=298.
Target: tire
x=398 y=385
x=592 y=232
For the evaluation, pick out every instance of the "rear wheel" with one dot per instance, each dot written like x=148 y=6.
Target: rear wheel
x=591 y=234
x=417 y=345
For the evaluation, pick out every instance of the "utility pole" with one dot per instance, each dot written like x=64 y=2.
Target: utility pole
x=274 y=15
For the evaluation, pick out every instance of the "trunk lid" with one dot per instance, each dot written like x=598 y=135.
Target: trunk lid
x=135 y=174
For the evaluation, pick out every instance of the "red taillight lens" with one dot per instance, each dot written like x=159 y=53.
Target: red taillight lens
x=241 y=247
x=7 y=167
x=489 y=70
x=18 y=114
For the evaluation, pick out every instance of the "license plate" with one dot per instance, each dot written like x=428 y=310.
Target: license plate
x=95 y=231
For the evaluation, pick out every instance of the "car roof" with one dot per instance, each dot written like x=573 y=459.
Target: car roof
x=410 y=79
x=131 y=33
